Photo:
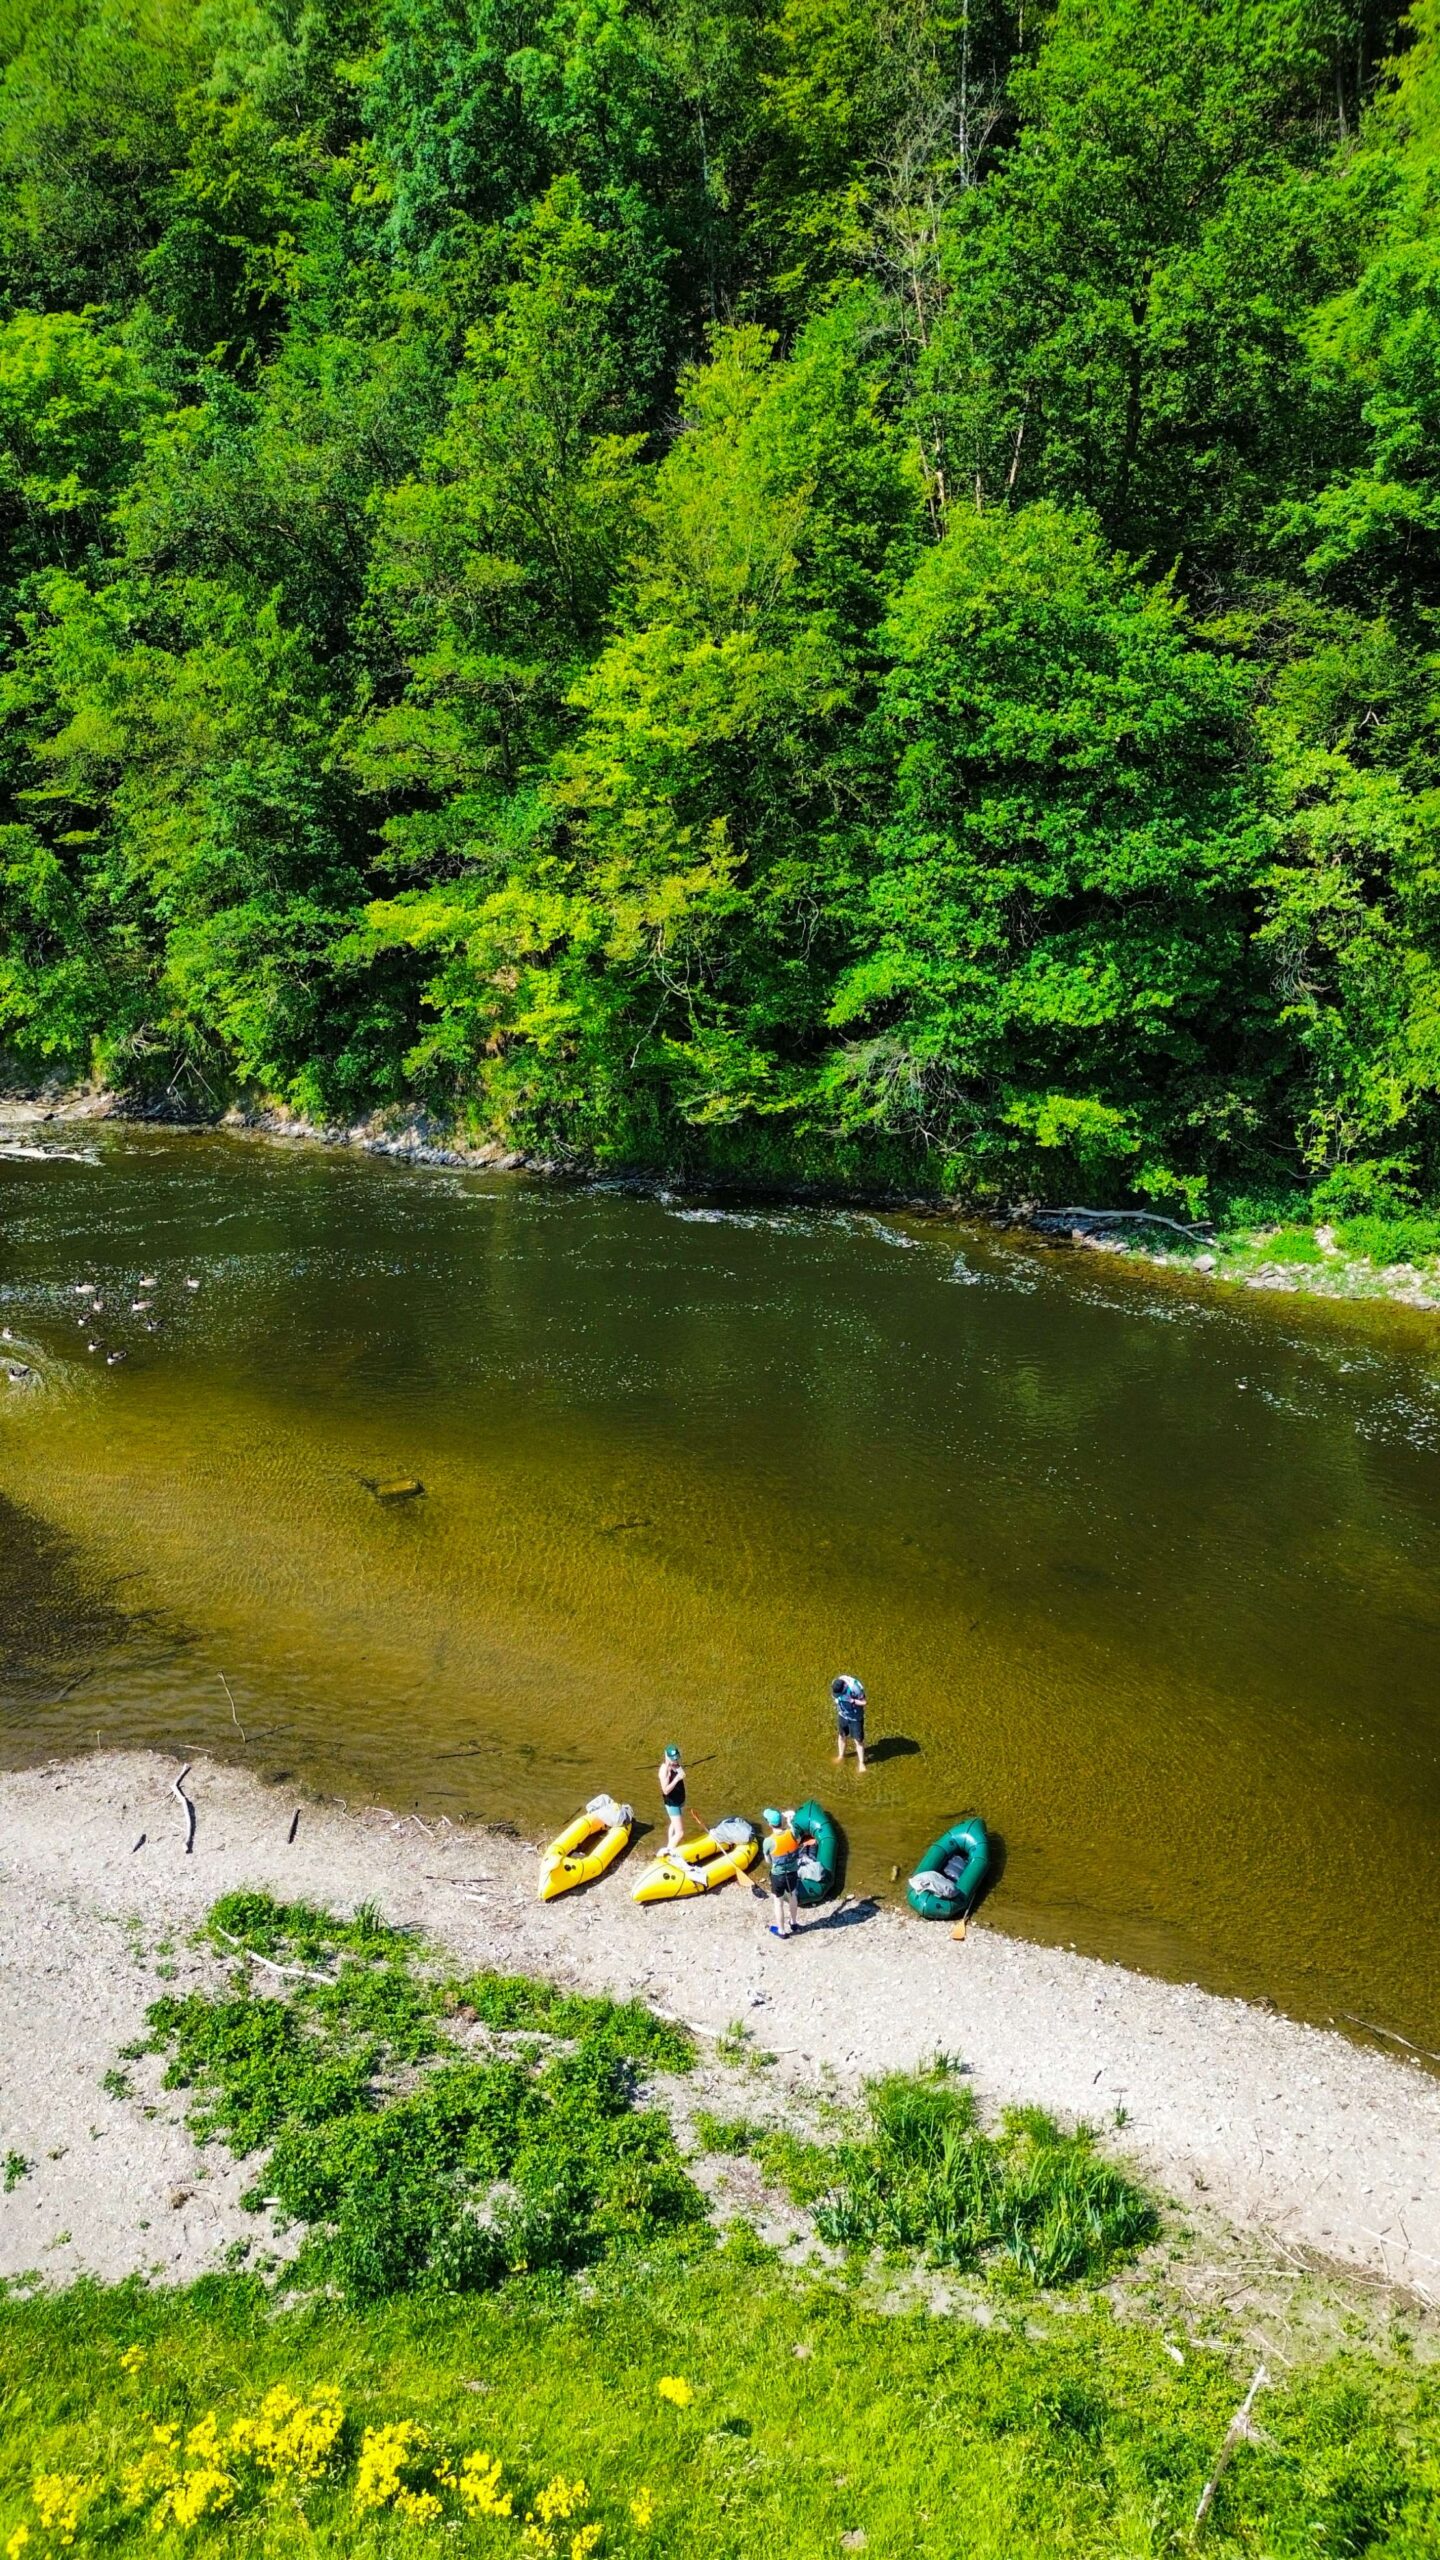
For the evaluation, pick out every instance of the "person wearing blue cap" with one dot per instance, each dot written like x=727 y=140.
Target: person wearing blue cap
x=849 y=1696
x=781 y=1847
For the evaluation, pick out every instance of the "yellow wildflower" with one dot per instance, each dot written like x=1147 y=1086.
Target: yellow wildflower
x=132 y=2359
x=202 y=2444
x=17 y=2542
x=139 y=2478
x=420 y=2505
x=583 y=2543
x=642 y=2510
x=672 y=2386
x=164 y=2435
x=386 y=2454
x=60 y=2497
x=291 y=2438
x=479 y=2485
x=559 y=2499
x=206 y=2491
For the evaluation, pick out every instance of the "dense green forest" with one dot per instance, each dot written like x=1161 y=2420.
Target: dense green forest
x=812 y=587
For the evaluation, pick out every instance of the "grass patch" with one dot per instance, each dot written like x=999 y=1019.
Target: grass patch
x=805 y=2417
x=411 y=2163
x=1385 y=1240
x=1290 y=1244
x=1029 y=2202
x=805 y=2170
x=919 y=2174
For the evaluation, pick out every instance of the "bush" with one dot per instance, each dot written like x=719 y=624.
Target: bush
x=925 y=2176
x=1406 y=1237
x=534 y=2160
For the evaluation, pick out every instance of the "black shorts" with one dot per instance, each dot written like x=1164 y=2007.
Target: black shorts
x=784 y=1877
x=851 y=1721
x=675 y=1801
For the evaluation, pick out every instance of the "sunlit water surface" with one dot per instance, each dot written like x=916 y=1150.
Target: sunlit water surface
x=1151 y=1577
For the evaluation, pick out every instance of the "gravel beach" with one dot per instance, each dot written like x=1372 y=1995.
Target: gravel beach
x=1332 y=2150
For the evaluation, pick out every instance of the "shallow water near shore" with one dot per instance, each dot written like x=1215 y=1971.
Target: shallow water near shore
x=1151 y=1577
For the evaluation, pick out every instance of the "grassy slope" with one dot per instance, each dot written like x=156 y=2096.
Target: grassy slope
x=800 y=2413
x=814 y=2417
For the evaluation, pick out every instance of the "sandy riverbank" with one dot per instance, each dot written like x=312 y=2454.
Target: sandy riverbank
x=1283 y=2127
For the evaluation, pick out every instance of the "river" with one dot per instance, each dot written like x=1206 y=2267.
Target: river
x=1150 y=1575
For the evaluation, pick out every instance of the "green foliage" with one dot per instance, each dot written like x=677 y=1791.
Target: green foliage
x=1059 y=956
x=802 y=588
x=1029 y=2201
x=1397 y=1239
x=16 y=2167
x=624 y=2028
x=1293 y=1244
x=1079 y=2434
x=410 y=2163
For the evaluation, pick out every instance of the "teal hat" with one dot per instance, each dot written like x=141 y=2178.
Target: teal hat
x=672 y=1750
x=771 y=1816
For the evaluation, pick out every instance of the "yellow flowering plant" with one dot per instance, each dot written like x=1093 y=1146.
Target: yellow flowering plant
x=400 y=2468
x=289 y=2438
x=674 y=2387
x=60 y=2499
x=194 y=2478
x=479 y=2486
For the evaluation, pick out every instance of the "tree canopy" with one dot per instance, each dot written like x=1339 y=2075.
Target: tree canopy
x=820 y=588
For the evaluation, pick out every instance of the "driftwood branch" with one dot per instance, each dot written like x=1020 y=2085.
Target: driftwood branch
x=225 y=1685
x=295 y=1972
x=179 y=1790
x=1111 y=1217
x=1389 y=2032
x=1241 y=2430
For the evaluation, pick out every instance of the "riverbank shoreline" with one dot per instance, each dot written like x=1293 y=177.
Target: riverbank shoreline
x=1331 y=2150
x=1291 y=1261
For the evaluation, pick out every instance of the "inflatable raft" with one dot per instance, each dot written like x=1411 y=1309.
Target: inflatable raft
x=952 y=1871
x=592 y=1843
x=819 y=1853
x=699 y=1866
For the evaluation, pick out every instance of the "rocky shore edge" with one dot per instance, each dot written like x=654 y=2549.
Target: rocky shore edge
x=1263 y=1258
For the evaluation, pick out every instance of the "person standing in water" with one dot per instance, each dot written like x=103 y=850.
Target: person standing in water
x=849 y=1696
x=671 y=1774
x=781 y=1847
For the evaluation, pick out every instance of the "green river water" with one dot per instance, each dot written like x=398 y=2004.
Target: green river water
x=1148 y=1575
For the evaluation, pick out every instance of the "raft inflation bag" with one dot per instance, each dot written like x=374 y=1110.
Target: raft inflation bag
x=734 y=1831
